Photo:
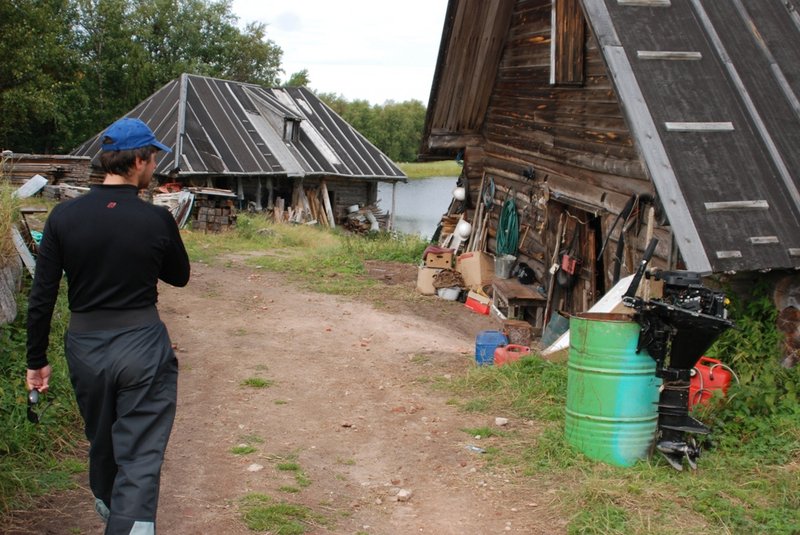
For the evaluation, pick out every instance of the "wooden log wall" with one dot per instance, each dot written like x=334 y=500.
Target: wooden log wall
x=19 y=168
x=583 y=159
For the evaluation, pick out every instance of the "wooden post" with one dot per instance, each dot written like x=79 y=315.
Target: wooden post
x=259 y=207
x=326 y=201
x=648 y=235
x=270 y=194
x=394 y=205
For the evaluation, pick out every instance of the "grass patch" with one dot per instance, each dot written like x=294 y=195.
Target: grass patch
x=257 y=382
x=299 y=476
x=421 y=359
x=9 y=215
x=484 y=432
x=318 y=259
x=36 y=459
x=429 y=169
x=262 y=513
x=280 y=402
x=747 y=481
x=288 y=489
x=243 y=449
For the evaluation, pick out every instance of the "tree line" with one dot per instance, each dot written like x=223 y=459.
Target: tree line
x=68 y=68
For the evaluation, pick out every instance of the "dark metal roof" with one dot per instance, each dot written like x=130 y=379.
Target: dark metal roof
x=710 y=90
x=220 y=127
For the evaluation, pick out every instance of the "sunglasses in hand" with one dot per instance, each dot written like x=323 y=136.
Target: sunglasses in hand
x=33 y=400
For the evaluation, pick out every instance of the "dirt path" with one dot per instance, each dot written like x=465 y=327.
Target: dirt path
x=350 y=402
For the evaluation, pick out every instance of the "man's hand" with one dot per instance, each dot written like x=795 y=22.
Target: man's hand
x=38 y=379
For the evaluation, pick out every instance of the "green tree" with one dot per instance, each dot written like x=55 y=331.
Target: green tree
x=298 y=79
x=37 y=73
x=395 y=128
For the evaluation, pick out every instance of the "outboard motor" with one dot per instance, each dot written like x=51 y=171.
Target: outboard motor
x=676 y=330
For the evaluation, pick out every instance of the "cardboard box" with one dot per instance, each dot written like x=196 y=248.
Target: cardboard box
x=476 y=268
x=439 y=260
x=477 y=302
x=425 y=280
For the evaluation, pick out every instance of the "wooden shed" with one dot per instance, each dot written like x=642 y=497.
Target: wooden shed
x=590 y=113
x=261 y=143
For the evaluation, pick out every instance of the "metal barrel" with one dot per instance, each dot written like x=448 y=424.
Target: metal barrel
x=612 y=392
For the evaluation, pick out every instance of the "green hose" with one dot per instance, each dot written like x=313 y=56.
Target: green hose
x=508 y=229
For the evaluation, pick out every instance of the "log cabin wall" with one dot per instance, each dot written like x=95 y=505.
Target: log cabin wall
x=565 y=153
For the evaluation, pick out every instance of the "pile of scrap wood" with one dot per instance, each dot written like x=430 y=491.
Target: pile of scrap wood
x=365 y=220
x=310 y=206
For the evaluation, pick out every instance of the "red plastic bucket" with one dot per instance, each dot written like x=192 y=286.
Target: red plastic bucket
x=509 y=353
x=708 y=375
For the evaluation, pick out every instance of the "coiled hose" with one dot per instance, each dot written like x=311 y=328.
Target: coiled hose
x=508 y=229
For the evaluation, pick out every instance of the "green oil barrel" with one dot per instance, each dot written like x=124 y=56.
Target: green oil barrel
x=611 y=390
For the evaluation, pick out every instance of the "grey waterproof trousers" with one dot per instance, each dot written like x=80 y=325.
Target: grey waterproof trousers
x=125 y=381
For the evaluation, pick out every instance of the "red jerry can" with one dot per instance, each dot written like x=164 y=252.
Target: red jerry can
x=708 y=375
x=509 y=353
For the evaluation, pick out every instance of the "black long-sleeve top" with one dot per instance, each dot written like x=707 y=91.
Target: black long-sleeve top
x=113 y=248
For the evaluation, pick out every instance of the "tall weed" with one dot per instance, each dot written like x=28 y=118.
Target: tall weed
x=35 y=458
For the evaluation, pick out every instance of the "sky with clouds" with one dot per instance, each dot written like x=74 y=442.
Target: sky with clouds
x=360 y=49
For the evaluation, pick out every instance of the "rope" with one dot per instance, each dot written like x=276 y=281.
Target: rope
x=508 y=229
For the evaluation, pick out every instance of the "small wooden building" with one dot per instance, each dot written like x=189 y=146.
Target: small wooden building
x=263 y=144
x=588 y=113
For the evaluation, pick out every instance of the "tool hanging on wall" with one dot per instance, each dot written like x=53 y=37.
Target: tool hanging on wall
x=570 y=262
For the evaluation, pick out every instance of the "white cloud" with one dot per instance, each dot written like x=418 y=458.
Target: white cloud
x=356 y=48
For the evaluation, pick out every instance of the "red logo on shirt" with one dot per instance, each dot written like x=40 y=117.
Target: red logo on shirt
x=112 y=204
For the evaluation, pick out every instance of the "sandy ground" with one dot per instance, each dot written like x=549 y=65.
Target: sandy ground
x=351 y=401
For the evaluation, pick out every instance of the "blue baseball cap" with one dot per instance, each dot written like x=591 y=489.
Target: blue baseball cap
x=129 y=133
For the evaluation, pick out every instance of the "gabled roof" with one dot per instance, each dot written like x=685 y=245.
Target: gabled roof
x=224 y=128
x=717 y=124
x=711 y=94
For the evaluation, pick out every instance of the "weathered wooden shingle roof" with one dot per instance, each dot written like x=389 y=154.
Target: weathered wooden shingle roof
x=224 y=128
x=710 y=90
x=711 y=93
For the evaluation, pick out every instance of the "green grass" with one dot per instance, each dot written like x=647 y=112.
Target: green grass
x=9 y=215
x=36 y=459
x=299 y=476
x=415 y=170
x=262 y=513
x=748 y=476
x=257 y=382
x=245 y=449
x=315 y=258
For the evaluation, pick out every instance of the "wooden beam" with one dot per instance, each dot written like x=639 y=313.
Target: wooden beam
x=645 y=3
x=668 y=54
x=763 y=240
x=699 y=127
x=737 y=205
x=729 y=254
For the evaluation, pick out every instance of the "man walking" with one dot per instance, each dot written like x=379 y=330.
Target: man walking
x=113 y=248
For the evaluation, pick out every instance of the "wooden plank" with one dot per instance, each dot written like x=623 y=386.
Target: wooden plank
x=645 y=3
x=658 y=164
x=699 y=127
x=669 y=55
x=24 y=252
x=737 y=205
x=763 y=240
x=567 y=43
x=729 y=254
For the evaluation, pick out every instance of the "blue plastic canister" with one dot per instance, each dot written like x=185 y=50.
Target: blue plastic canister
x=485 y=344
